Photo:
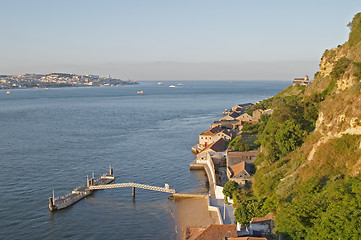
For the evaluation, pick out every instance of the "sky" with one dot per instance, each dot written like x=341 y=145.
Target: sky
x=172 y=40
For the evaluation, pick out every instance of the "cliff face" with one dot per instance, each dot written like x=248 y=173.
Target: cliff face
x=340 y=112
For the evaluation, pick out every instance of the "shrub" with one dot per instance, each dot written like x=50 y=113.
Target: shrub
x=357 y=73
x=340 y=67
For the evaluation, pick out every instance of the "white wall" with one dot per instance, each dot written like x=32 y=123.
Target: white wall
x=219 y=192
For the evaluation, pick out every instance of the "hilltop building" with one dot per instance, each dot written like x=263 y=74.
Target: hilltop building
x=301 y=81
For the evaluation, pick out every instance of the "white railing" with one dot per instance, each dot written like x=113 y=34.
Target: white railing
x=130 y=184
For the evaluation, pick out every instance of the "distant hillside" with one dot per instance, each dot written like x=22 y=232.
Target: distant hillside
x=308 y=173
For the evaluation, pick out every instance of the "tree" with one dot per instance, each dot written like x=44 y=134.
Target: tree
x=289 y=136
x=229 y=188
x=247 y=209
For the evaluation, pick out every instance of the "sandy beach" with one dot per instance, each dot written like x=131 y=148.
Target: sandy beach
x=193 y=212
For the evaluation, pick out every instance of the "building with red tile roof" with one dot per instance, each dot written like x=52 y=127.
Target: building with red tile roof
x=263 y=225
x=218 y=146
x=235 y=157
x=209 y=136
x=212 y=232
x=240 y=172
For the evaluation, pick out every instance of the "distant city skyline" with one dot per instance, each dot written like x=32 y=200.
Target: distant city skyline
x=171 y=40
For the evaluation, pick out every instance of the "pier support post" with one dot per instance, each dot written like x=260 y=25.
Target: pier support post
x=133 y=192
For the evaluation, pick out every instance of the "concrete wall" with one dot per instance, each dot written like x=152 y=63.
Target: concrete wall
x=212 y=173
x=207 y=162
x=216 y=210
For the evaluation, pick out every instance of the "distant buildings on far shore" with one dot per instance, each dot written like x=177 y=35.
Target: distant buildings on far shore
x=58 y=80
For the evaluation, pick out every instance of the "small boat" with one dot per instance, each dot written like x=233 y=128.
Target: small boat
x=140 y=92
x=172 y=86
x=160 y=83
x=7 y=92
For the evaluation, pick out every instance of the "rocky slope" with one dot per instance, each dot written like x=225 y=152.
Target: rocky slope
x=310 y=165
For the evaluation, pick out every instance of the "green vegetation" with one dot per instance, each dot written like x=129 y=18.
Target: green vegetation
x=244 y=142
x=247 y=209
x=335 y=154
x=247 y=141
x=355 y=34
x=250 y=128
x=329 y=89
x=321 y=211
x=293 y=118
x=290 y=136
x=340 y=67
x=357 y=73
x=311 y=180
x=229 y=188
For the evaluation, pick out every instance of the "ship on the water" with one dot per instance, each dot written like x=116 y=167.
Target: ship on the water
x=58 y=203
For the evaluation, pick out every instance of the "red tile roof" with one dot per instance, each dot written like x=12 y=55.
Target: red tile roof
x=214 y=232
x=212 y=131
x=242 y=166
x=268 y=217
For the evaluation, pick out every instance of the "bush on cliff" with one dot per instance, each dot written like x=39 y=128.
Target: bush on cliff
x=340 y=67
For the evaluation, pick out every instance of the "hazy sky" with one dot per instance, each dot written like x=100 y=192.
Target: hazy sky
x=172 y=40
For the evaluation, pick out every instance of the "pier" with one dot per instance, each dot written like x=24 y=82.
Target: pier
x=166 y=188
x=58 y=203
x=104 y=182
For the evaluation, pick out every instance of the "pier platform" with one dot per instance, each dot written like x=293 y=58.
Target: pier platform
x=58 y=203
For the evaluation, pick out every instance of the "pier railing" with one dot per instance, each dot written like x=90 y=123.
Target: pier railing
x=134 y=185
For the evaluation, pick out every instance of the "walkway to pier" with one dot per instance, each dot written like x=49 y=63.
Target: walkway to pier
x=133 y=185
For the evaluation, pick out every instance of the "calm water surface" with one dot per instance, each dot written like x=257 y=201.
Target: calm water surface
x=51 y=139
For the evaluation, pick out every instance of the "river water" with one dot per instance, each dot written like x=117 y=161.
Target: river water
x=52 y=139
